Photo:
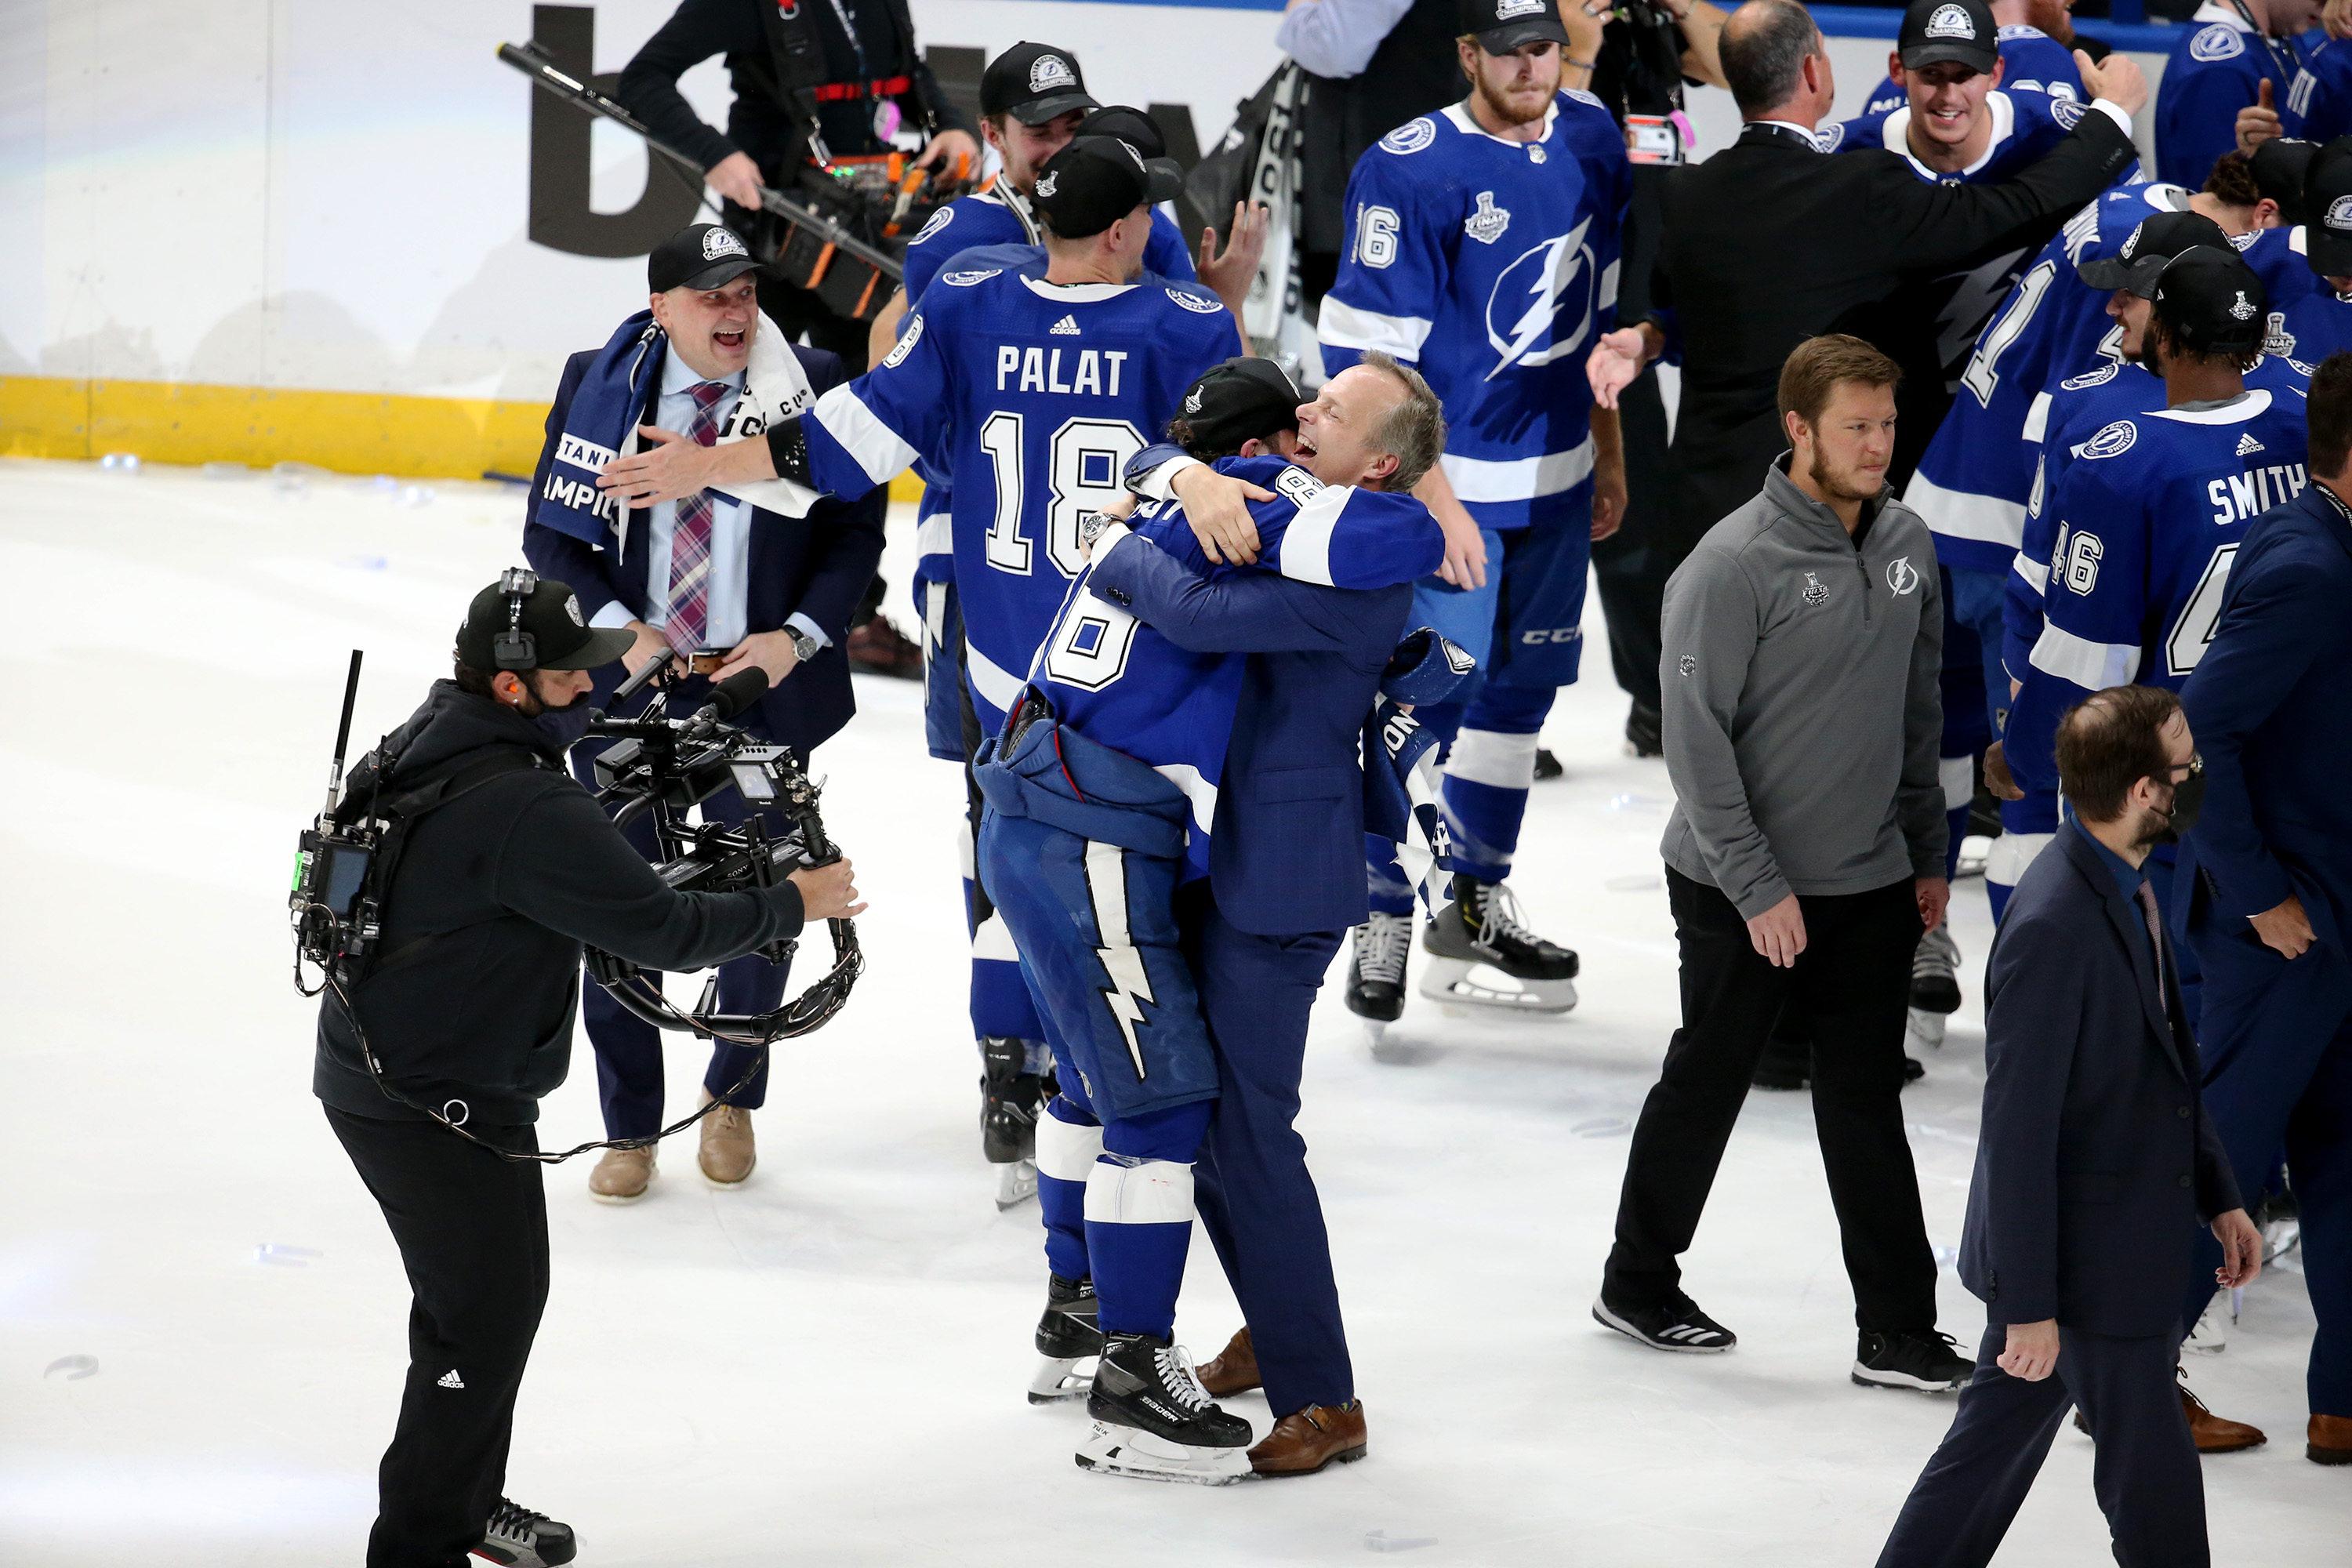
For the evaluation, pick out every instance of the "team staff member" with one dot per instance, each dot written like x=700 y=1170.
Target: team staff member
x=1803 y=858
x=2093 y=1159
x=518 y=868
x=709 y=574
x=1816 y=239
x=2273 y=843
x=861 y=73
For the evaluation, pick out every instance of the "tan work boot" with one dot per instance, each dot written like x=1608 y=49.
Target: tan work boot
x=726 y=1155
x=622 y=1176
x=1235 y=1370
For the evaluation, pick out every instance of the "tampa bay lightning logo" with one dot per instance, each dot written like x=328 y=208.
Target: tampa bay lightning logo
x=1555 y=276
x=1410 y=137
x=2113 y=441
x=2089 y=378
x=2218 y=42
x=939 y=220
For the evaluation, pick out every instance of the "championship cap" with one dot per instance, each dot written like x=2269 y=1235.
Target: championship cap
x=561 y=636
x=1241 y=400
x=699 y=256
x=1096 y=181
x=1033 y=83
x=1502 y=26
x=2145 y=250
x=1132 y=126
x=2278 y=166
x=2328 y=209
x=2211 y=301
x=1961 y=31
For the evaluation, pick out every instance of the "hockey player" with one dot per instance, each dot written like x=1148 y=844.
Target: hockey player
x=2031 y=61
x=1101 y=795
x=1951 y=121
x=2320 y=323
x=1482 y=247
x=2233 y=49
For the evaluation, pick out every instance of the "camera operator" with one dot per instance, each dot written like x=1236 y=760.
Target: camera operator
x=852 y=64
x=468 y=1011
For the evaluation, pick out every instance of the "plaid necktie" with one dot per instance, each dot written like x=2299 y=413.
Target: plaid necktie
x=689 y=536
x=2146 y=898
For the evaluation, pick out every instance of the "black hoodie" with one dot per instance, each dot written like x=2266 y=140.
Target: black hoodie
x=509 y=879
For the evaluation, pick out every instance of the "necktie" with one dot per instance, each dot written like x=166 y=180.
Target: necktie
x=688 y=600
x=2146 y=898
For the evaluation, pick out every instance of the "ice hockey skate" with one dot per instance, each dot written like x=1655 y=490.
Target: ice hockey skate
x=1009 y=1099
x=1066 y=1335
x=1154 y=1421
x=1376 y=972
x=1936 y=974
x=1481 y=929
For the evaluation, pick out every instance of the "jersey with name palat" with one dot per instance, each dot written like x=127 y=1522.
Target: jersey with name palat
x=1491 y=266
x=2030 y=61
x=1033 y=395
x=1122 y=682
x=2149 y=516
x=2025 y=127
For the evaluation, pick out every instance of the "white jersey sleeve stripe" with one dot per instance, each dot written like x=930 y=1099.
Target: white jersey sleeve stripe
x=2037 y=417
x=1960 y=515
x=2035 y=572
x=1344 y=326
x=1198 y=790
x=935 y=535
x=1479 y=480
x=1307 y=540
x=991 y=680
x=876 y=447
x=2093 y=665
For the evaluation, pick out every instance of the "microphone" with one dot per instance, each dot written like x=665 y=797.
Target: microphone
x=645 y=672
x=730 y=697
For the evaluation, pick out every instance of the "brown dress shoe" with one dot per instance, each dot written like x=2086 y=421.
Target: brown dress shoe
x=1304 y=1442
x=2328 y=1441
x=726 y=1155
x=2214 y=1435
x=622 y=1175
x=1235 y=1370
x=877 y=647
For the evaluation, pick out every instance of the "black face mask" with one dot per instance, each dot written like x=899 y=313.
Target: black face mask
x=2187 y=800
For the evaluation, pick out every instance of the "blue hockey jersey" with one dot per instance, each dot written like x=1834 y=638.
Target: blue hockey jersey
x=1122 y=682
x=2148 y=515
x=1033 y=395
x=1490 y=265
x=2317 y=325
x=989 y=218
x=2025 y=127
x=2031 y=61
x=2327 y=111
x=2214 y=71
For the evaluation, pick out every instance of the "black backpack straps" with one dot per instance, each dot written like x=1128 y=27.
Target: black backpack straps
x=796 y=63
x=405 y=808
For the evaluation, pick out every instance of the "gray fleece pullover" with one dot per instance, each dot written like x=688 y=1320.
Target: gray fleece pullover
x=1802 y=715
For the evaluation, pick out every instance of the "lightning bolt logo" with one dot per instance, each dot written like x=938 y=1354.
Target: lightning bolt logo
x=1548 y=269
x=1130 y=986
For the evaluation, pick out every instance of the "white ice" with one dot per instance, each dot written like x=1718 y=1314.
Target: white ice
x=827 y=1366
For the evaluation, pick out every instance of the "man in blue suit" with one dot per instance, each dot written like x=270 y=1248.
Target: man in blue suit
x=708 y=575
x=2094 y=1158
x=2271 y=905
x=1286 y=883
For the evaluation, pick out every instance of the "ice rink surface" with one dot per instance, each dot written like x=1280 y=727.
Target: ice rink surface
x=827 y=1366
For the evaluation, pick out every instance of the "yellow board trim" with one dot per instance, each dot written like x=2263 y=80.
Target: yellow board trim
x=348 y=432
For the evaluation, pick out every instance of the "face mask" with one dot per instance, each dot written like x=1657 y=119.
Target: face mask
x=2187 y=800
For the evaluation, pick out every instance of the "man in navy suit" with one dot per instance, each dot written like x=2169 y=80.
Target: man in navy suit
x=2272 y=906
x=714 y=577
x=1286 y=883
x=2094 y=1158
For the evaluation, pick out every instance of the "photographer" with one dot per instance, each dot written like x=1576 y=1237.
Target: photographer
x=469 y=1010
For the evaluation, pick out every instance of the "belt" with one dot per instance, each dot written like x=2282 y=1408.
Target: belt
x=850 y=91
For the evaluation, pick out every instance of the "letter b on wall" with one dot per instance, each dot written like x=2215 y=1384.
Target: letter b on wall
x=561 y=218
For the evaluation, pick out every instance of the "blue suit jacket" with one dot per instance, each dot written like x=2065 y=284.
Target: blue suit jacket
x=818 y=565
x=1287 y=844
x=2095 y=1159
x=2268 y=704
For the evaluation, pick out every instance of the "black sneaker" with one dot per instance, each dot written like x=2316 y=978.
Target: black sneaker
x=1149 y=1385
x=1678 y=1325
x=1912 y=1071
x=1929 y=1363
x=1376 y=968
x=1066 y=1332
x=1547 y=766
x=521 y=1539
x=1008 y=1101
x=1645 y=731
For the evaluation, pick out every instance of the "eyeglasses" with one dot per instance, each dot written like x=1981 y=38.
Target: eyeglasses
x=2193 y=768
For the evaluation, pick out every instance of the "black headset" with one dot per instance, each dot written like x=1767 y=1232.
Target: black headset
x=515 y=648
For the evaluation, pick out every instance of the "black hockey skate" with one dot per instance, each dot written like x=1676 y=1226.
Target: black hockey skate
x=1009 y=1101
x=1154 y=1420
x=1481 y=926
x=1376 y=970
x=521 y=1539
x=1066 y=1335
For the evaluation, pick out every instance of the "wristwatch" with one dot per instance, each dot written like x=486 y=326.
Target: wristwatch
x=805 y=646
x=1093 y=526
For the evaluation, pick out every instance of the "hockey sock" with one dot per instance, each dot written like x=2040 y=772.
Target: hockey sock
x=1069 y=1141
x=1001 y=1003
x=1488 y=770
x=1139 y=1209
x=1385 y=882
x=1955 y=825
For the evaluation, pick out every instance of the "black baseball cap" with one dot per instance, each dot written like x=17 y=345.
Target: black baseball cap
x=699 y=256
x=1132 y=126
x=1033 y=83
x=1502 y=26
x=561 y=636
x=2137 y=264
x=1096 y=181
x=1961 y=31
x=2328 y=209
x=2211 y=301
x=2278 y=167
x=1244 y=399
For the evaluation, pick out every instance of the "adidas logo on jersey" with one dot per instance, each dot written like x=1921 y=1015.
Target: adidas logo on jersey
x=451 y=1380
x=1067 y=327
x=2246 y=444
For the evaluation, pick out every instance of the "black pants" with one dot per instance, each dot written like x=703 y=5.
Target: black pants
x=472 y=1232
x=1854 y=980
x=1630 y=573
x=2145 y=1475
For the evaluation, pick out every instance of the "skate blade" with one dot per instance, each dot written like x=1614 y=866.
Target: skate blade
x=1925 y=1027
x=1016 y=1183
x=1130 y=1451
x=1059 y=1381
x=1453 y=984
